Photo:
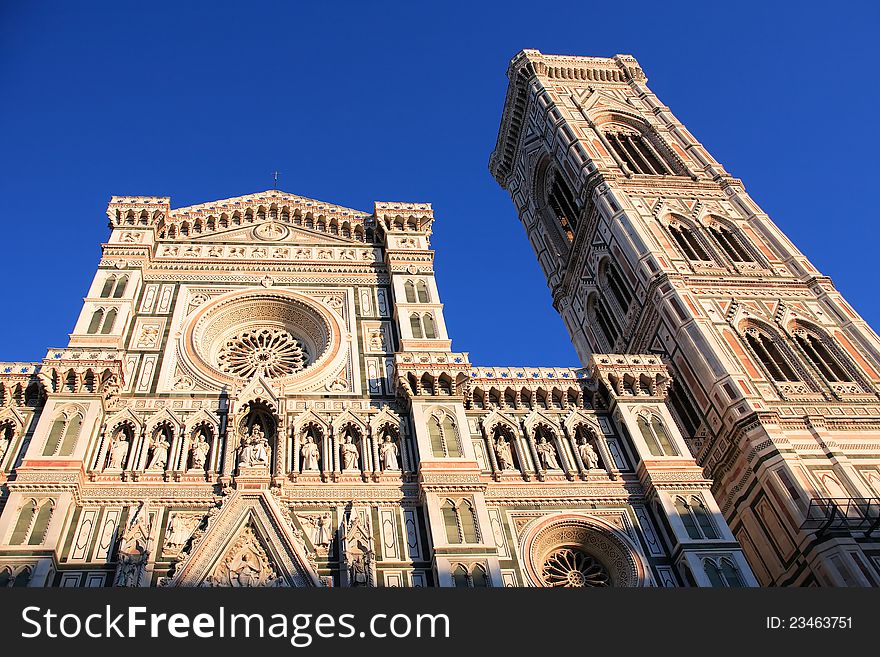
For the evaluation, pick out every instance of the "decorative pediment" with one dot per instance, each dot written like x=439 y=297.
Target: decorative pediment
x=249 y=543
x=270 y=216
x=497 y=417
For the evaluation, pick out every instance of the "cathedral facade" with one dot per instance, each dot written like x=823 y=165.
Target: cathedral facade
x=261 y=390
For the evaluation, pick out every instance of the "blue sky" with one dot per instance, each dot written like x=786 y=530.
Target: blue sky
x=356 y=102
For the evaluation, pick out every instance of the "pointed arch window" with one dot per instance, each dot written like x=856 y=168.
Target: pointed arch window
x=422 y=291
x=638 y=153
x=415 y=323
x=410 y=291
x=768 y=352
x=430 y=326
x=109 y=320
x=600 y=317
x=460 y=577
x=55 y=433
x=655 y=436
x=565 y=209
x=615 y=283
x=460 y=522
x=730 y=243
x=41 y=523
x=695 y=518
x=723 y=573
x=687 y=241
x=109 y=284
x=443 y=436
x=120 y=287
x=22 y=528
x=820 y=355
x=95 y=323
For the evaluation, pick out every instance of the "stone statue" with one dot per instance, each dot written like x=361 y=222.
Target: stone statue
x=160 y=453
x=389 y=453
x=180 y=528
x=588 y=455
x=132 y=555
x=198 y=453
x=309 y=454
x=321 y=530
x=503 y=454
x=255 y=449
x=118 y=452
x=547 y=454
x=349 y=455
x=357 y=572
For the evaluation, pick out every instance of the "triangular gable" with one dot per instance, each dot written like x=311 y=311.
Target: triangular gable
x=250 y=542
x=266 y=199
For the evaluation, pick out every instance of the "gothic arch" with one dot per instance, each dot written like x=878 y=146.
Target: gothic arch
x=824 y=353
x=688 y=238
x=557 y=208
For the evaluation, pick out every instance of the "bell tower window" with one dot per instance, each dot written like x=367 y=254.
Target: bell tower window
x=562 y=203
x=638 y=153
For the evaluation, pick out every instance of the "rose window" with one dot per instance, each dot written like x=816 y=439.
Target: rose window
x=266 y=352
x=573 y=568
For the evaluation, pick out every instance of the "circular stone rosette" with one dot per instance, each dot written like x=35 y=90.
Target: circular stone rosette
x=572 y=550
x=281 y=335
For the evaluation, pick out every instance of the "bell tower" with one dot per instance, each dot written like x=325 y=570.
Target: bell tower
x=650 y=246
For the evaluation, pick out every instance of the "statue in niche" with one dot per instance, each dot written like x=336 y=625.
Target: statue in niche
x=349 y=454
x=160 y=448
x=309 y=453
x=388 y=453
x=198 y=453
x=547 y=454
x=357 y=551
x=588 y=455
x=503 y=454
x=255 y=449
x=357 y=572
x=132 y=555
x=118 y=452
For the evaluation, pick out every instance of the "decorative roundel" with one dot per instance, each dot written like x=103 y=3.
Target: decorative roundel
x=572 y=550
x=272 y=353
x=571 y=567
x=277 y=334
x=271 y=231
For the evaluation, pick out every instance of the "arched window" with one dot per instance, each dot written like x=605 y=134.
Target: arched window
x=459 y=521
x=443 y=436
x=468 y=522
x=120 y=287
x=684 y=409
x=450 y=522
x=430 y=328
x=479 y=577
x=562 y=203
x=730 y=243
x=600 y=317
x=107 y=290
x=461 y=577
x=656 y=437
x=54 y=439
x=422 y=290
x=723 y=574
x=450 y=437
x=435 y=433
x=820 y=355
x=41 y=524
x=688 y=243
x=770 y=355
x=26 y=515
x=415 y=323
x=615 y=284
x=638 y=153
x=109 y=320
x=95 y=324
x=410 y=290
x=695 y=518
